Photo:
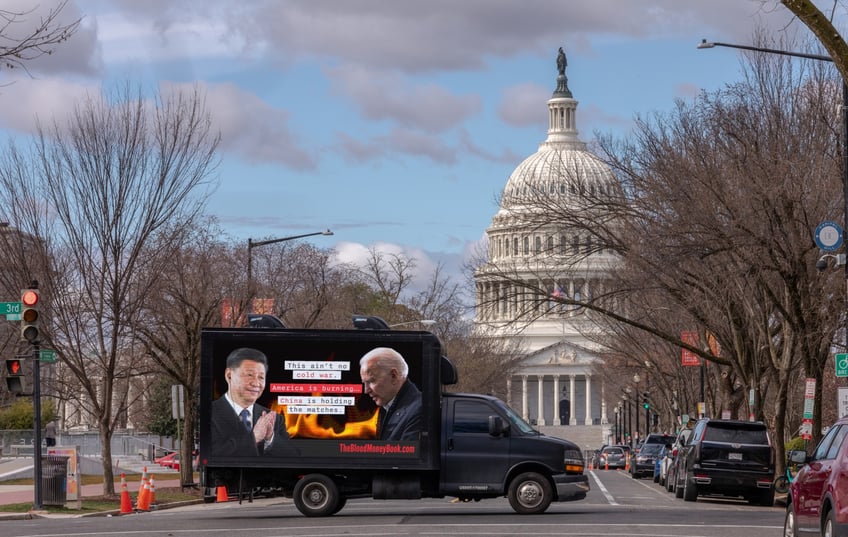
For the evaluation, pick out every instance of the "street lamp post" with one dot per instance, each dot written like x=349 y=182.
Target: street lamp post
x=708 y=44
x=627 y=401
x=636 y=380
x=251 y=244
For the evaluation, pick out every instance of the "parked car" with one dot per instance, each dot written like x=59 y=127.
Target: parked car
x=672 y=463
x=817 y=495
x=727 y=458
x=612 y=457
x=643 y=462
x=661 y=464
x=171 y=460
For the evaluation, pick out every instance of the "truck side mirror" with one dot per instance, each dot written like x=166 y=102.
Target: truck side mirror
x=497 y=427
x=447 y=371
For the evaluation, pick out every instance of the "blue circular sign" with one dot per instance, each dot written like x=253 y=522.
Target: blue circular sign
x=829 y=236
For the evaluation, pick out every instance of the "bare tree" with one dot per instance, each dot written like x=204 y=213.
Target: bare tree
x=21 y=41
x=713 y=219
x=303 y=287
x=197 y=276
x=97 y=193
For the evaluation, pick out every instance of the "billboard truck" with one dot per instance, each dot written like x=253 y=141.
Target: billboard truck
x=322 y=416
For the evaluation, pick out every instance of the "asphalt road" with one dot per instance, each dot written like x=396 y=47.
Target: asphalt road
x=616 y=506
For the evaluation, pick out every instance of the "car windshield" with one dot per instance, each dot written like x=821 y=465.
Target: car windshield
x=516 y=420
x=613 y=451
x=651 y=449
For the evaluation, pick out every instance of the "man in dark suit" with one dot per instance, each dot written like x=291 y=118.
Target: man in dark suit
x=240 y=427
x=384 y=373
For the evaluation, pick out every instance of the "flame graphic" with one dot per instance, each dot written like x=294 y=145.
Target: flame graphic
x=355 y=424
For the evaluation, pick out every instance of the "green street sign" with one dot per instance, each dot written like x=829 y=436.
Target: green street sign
x=47 y=356
x=10 y=308
x=842 y=364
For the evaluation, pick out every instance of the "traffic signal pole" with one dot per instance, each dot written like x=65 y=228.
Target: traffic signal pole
x=38 y=501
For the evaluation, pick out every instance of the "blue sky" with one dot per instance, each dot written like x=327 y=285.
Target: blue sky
x=393 y=123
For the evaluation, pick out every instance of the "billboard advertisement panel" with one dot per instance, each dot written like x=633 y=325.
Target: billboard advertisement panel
x=283 y=397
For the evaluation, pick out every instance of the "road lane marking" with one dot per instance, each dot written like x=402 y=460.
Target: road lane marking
x=603 y=489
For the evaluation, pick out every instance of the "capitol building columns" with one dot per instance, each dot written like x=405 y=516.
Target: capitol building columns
x=545 y=401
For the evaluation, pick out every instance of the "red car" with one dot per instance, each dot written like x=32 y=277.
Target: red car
x=171 y=460
x=818 y=496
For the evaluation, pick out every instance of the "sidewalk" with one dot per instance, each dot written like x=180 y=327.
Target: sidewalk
x=10 y=494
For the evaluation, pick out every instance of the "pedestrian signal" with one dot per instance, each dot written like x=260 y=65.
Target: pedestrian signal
x=15 y=380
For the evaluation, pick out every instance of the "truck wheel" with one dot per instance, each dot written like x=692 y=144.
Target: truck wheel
x=690 y=489
x=530 y=493
x=316 y=495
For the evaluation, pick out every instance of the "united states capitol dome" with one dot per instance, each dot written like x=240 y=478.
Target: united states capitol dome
x=562 y=166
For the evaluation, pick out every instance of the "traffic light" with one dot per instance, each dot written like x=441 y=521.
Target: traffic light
x=15 y=380
x=646 y=404
x=29 y=315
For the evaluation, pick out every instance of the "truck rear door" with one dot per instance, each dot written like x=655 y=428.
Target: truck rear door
x=473 y=461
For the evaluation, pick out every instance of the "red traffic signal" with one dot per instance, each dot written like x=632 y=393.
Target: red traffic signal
x=29 y=315
x=29 y=297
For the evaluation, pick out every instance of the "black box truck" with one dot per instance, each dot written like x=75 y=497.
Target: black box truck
x=325 y=445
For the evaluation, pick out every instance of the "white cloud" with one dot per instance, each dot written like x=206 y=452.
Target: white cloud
x=386 y=96
x=41 y=100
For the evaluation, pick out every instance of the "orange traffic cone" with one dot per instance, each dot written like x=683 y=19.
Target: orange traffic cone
x=606 y=465
x=221 y=494
x=143 y=498
x=151 y=495
x=627 y=463
x=126 y=503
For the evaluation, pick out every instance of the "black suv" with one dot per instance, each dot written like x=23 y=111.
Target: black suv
x=728 y=458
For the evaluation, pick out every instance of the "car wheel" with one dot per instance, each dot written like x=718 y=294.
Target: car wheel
x=678 y=490
x=316 y=495
x=789 y=529
x=829 y=525
x=690 y=489
x=530 y=493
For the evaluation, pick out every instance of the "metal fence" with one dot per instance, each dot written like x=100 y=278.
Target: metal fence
x=148 y=446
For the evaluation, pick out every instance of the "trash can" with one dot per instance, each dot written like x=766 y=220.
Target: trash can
x=54 y=477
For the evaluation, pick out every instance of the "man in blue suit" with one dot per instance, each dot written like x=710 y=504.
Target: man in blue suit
x=384 y=373
x=240 y=426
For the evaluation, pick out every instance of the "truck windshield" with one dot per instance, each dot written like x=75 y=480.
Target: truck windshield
x=517 y=421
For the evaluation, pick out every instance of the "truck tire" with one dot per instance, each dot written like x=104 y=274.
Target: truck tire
x=690 y=489
x=316 y=495
x=530 y=493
